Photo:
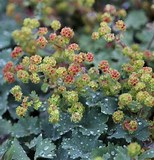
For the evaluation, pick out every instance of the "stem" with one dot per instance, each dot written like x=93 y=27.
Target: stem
x=150 y=43
x=6 y=47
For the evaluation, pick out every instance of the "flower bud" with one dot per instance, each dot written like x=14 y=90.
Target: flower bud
x=55 y=25
x=23 y=76
x=21 y=111
x=149 y=101
x=120 y=25
x=134 y=149
x=118 y=116
x=125 y=99
x=95 y=35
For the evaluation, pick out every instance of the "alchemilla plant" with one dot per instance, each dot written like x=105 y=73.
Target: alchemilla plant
x=70 y=109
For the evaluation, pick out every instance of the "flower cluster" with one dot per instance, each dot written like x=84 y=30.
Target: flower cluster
x=109 y=80
x=66 y=74
x=107 y=28
x=51 y=72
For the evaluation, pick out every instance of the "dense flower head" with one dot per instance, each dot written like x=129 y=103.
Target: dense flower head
x=130 y=125
x=114 y=74
x=42 y=31
x=31 y=23
x=95 y=35
x=33 y=68
x=110 y=9
x=16 y=52
x=74 y=47
x=36 y=59
x=9 y=77
x=89 y=57
x=23 y=76
x=128 y=68
x=19 y=67
x=147 y=54
x=118 y=116
x=67 y=32
x=121 y=13
x=74 y=69
x=55 y=25
x=16 y=92
x=134 y=149
x=93 y=85
x=71 y=96
x=121 y=25
x=141 y=96
x=104 y=29
x=52 y=36
x=106 y=17
x=34 y=77
x=21 y=111
x=149 y=101
x=109 y=37
x=69 y=79
x=133 y=79
x=147 y=70
x=138 y=64
x=41 y=42
x=9 y=67
x=125 y=99
x=104 y=66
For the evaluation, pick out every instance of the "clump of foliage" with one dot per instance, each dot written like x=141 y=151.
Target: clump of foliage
x=70 y=109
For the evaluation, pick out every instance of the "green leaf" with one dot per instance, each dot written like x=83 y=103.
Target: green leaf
x=44 y=87
x=80 y=145
x=4 y=92
x=6 y=31
x=121 y=153
x=61 y=154
x=136 y=19
x=147 y=154
x=3 y=6
x=4 y=147
x=45 y=149
x=16 y=152
x=92 y=99
x=26 y=126
x=55 y=131
x=103 y=150
x=34 y=142
x=5 y=127
x=109 y=105
x=12 y=108
x=93 y=123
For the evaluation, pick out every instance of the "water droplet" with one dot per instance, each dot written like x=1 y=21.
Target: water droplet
x=105 y=128
x=46 y=148
x=112 y=153
x=140 y=123
x=49 y=155
x=98 y=130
